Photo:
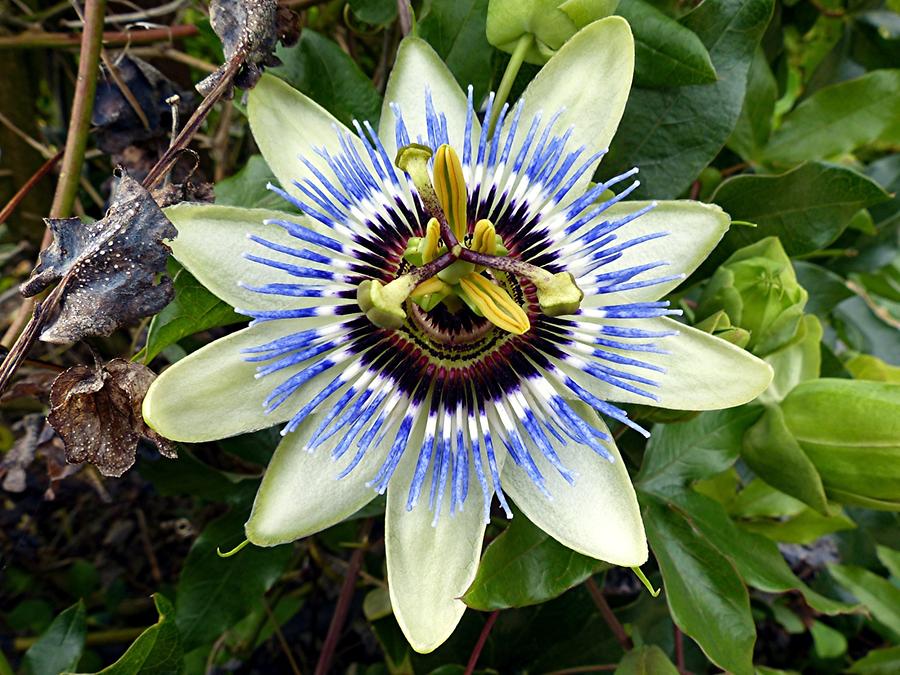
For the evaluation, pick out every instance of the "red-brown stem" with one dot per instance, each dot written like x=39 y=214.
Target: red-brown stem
x=608 y=615
x=602 y=668
x=343 y=604
x=482 y=640
x=38 y=40
x=17 y=198
x=679 y=650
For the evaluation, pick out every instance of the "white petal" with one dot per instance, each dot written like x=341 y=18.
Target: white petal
x=418 y=69
x=213 y=393
x=598 y=515
x=287 y=125
x=693 y=230
x=429 y=567
x=301 y=493
x=702 y=372
x=211 y=244
x=590 y=76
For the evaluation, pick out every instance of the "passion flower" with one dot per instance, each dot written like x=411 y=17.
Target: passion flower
x=445 y=318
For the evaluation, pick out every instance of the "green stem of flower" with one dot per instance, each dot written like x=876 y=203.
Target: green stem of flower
x=509 y=76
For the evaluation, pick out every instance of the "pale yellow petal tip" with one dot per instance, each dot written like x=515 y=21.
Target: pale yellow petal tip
x=261 y=536
x=424 y=637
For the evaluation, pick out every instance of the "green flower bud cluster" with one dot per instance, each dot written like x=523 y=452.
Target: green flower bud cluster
x=545 y=25
x=758 y=291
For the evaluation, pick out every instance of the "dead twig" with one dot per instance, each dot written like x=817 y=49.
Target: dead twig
x=41 y=39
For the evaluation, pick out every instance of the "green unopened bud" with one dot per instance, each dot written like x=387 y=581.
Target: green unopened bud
x=758 y=289
x=549 y=23
x=850 y=429
x=558 y=294
x=719 y=324
x=383 y=305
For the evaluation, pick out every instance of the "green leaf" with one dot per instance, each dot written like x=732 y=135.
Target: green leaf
x=193 y=309
x=706 y=597
x=320 y=69
x=666 y=54
x=798 y=361
x=876 y=593
x=751 y=133
x=890 y=558
x=455 y=28
x=826 y=289
x=213 y=593
x=525 y=566
x=867 y=367
x=375 y=12
x=247 y=187
x=775 y=456
x=756 y=558
x=828 y=643
x=680 y=453
x=850 y=430
x=804 y=528
x=672 y=134
x=59 y=648
x=878 y=662
x=807 y=207
x=156 y=651
x=863 y=331
x=646 y=660
x=839 y=119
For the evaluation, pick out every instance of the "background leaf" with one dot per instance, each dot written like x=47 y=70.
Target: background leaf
x=672 y=134
x=157 y=651
x=525 y=566
x=666 y=54
x=807 y=207
x=455 y=28
x=839 y=119
x=214 y=593
x=706 y=596
x=59 y=648
x=193 y=309
x=323 y=71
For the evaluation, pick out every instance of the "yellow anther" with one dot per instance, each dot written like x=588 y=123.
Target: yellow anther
x=484 y=239
x=495 y=304
x=429 y=244
x=429 y=286
x=450 y=187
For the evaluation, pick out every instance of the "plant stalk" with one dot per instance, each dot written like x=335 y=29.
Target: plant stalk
x=509 y=76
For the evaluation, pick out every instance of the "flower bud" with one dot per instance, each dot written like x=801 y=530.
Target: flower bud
x=758 y=289
x=549 y=23
x=850 y=430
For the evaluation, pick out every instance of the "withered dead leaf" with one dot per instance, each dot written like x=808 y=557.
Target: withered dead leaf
x=249 y=30
x=116 y=125
x=108 y=269
x=21 y=454
x=97 y=412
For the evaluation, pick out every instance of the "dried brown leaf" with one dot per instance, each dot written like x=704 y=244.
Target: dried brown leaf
x=21 y=455
x=108 y=269
x=249 y=31
x=97 y=412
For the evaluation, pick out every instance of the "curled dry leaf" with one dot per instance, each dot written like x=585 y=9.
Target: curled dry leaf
x=107 y=271
x=21 y=454
x=97 y=412
x=116 y=124
x=249 y=31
